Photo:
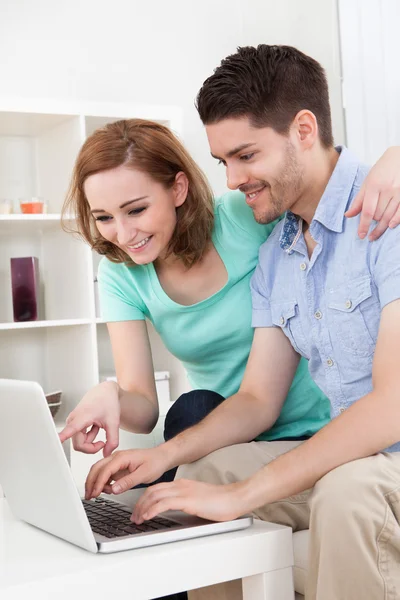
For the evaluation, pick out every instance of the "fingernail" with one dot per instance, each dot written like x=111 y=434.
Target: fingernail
x=116 y=489
x=145 y=516
x=392 y=224
x=362 y=235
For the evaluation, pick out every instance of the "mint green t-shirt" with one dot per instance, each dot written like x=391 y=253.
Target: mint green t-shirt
x=213 y=337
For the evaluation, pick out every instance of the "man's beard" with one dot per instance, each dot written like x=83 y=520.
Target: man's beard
x=287 y=188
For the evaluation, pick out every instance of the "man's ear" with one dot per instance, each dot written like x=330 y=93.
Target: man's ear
x=305 y=128
x=180 y=188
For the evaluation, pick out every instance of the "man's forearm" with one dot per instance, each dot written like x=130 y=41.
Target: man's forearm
x=368 y=426
x=238 y=419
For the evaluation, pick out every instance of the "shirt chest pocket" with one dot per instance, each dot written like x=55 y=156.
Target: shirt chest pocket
x=286 y=316
x=352 y=310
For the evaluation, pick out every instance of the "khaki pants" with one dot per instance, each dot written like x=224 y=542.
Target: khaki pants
x=353 y=514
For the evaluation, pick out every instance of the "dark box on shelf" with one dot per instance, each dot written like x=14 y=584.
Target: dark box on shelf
x=25 y=288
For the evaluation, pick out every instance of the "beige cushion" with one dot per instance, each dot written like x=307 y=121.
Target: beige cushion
x=300 y=549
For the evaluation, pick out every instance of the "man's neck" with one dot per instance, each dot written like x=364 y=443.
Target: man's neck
x=316 y=178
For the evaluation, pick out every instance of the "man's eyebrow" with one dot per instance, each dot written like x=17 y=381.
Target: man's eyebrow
x=100 y=210
x=235 y=150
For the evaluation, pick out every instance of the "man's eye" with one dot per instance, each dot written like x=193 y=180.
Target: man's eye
x=136 y=211
x=222 y=162
x=247 y=156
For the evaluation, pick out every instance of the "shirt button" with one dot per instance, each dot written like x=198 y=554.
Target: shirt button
x=282 y=320
x=348 y=304
x=303 y=266
x=342 y=409
x=329 y=362
x=318 y=314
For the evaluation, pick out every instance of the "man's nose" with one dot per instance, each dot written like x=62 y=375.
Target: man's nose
x=235 y=177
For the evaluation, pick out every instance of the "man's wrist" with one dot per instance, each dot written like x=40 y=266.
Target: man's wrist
x=249 y=495
x=170 y=451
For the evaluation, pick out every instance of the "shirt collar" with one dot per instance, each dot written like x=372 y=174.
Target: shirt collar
x=332 y=206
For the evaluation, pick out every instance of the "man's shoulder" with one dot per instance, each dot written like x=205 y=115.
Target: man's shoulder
x=270 y=250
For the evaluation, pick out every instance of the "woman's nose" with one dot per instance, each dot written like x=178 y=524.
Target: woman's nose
x=125 y=233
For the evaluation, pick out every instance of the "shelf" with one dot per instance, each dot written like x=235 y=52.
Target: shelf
x=12 y=224
x=37 y=324
x=35 y=218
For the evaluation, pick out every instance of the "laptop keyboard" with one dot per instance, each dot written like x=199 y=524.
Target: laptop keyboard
x=108 y=518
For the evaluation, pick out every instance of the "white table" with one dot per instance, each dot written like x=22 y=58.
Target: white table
x=34 y=564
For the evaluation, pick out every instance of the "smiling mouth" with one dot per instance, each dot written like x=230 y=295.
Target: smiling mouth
x=140 y=244
x=251 y=197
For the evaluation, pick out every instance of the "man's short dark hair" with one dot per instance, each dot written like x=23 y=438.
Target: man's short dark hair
x=269 y=85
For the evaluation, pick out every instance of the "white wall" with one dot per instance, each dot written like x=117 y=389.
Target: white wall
x=154 y=51
x=371 y=50
x=158 y=52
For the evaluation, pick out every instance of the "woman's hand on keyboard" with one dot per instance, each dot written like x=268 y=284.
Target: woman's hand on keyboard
x=98 y=409
x=126 y=468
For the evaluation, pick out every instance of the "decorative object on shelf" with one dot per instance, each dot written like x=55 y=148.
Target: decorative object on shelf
x=54 y=402
x=25 y=288
x=32 y=206
x=6 y=206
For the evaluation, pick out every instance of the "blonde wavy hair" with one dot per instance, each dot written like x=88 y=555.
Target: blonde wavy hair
x=153 y=149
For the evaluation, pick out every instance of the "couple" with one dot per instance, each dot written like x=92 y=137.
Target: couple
x=321 y=294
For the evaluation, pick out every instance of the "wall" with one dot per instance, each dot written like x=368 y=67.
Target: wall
x=157 y=52
x=371 y=50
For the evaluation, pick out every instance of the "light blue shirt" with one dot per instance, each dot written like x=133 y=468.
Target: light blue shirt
x=329 y=306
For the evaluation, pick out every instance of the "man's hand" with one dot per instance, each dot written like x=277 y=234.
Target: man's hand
x=127 y=468
x=213 y=502
x=379 y=196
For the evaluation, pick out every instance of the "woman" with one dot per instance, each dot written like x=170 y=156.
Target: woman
x=175 y=256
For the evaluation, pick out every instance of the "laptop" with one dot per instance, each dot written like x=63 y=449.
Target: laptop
x=39 y=487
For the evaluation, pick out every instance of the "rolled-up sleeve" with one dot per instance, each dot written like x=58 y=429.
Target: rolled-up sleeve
x=261 y=314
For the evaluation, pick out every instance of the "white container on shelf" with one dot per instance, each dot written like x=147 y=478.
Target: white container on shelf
x=162 y=387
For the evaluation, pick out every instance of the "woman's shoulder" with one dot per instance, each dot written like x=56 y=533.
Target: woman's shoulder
x=232 y=208
x=119 y=275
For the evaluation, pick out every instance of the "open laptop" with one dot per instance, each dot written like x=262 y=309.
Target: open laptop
x=38 y=485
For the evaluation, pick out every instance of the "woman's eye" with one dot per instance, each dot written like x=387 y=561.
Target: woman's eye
x=103 y=219
x=222 y=162
x=247 y=156
x=137 y=211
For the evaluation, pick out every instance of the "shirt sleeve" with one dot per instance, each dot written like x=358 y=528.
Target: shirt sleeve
x=386 y=266
x=119 y=300
x=260 y=297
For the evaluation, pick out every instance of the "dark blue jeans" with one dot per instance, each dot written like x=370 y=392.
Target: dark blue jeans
x=186 y=411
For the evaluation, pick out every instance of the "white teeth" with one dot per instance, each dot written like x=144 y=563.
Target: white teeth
x=254 y=194
x=140 y=244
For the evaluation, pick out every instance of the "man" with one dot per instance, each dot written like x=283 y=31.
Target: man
x=321 y=292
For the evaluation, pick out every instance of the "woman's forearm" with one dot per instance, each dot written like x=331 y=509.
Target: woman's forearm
x=138 y=413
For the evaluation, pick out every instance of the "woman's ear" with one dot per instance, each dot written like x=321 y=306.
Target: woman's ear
x=180 y=188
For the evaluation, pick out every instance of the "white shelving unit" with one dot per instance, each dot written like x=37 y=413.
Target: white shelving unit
x=68 y=347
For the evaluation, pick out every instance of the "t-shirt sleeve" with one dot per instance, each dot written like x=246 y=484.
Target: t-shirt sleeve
x=386 y=266
x=241 y=215
x=260 y=297
x=119 y=300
